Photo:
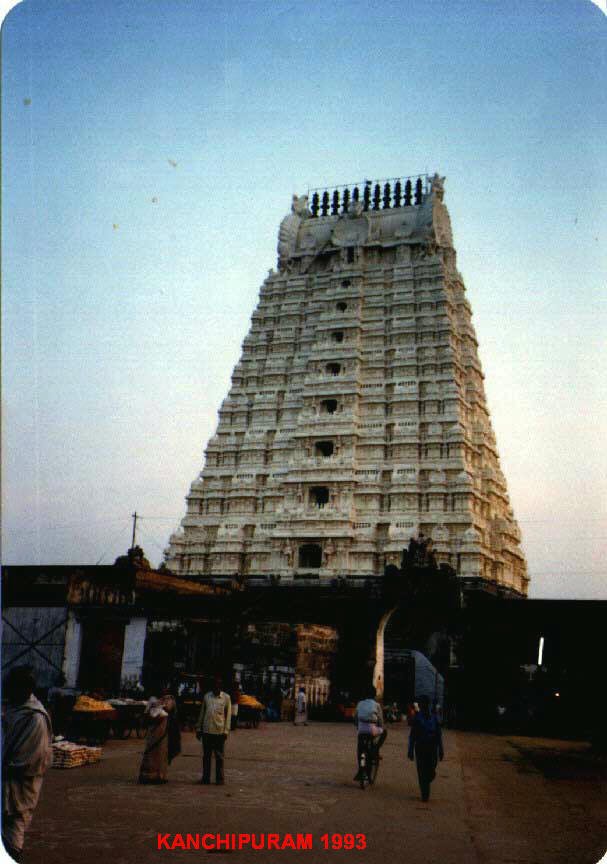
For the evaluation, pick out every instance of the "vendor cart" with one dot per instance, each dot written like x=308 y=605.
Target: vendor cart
x=249 y=711
x=190 y=692
x=249 y=717
x=91 y=720
x=128 y=718
x=92 y=727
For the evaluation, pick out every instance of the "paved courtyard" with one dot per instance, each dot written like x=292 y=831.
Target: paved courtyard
x=496 y=800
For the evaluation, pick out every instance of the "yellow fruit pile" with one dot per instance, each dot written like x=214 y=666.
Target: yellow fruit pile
x=250 y=702
x=85 y=703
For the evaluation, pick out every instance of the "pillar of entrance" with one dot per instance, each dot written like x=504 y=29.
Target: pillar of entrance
x=134 y=646
x=71 y=657
x=378 y=669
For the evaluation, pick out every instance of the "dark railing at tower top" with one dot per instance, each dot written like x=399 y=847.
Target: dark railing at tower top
x=373 y=194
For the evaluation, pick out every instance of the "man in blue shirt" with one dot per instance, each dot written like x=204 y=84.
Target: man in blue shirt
x=425 y=745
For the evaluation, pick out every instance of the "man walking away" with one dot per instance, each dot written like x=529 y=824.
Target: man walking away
x=425 y=745
x=26 y=755
x=213 y=728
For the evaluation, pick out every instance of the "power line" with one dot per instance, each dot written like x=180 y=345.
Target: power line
x=122 y=528
x=157 y=518
x=65 y=527
x=585 y=536
x=568 y=573
x=563 y=521
x=152 y=540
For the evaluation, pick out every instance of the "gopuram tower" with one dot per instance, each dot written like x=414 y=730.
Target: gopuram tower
x=357 y=416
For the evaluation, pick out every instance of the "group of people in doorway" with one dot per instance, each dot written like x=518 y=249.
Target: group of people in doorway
x=28 y=736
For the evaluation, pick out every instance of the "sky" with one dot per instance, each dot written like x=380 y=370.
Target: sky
x=149 y=152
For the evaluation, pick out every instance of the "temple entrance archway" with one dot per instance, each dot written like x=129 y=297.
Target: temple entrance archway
x=411 y=643
x=416 y=657
x=408 y=658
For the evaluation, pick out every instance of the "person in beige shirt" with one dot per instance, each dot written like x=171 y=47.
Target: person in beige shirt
x=26 y=755
x=212 y=728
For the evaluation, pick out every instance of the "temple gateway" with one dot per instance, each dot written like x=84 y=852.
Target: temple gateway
x=351 y=522
x=357 y=416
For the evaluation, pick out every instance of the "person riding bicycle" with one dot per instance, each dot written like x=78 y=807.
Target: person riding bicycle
x=369 y=720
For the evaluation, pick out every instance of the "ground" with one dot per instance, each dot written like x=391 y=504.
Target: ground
x=496 y=800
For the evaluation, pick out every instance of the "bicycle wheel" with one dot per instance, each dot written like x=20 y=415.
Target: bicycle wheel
x=362 y=771
x=373 y=768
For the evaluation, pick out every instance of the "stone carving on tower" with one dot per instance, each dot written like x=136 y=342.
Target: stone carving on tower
x=357 y=416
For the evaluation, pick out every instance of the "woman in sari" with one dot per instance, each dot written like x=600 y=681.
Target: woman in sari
x=169 y=704
x=155 y=762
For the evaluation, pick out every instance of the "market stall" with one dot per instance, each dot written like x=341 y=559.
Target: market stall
x=128 y=717
x=249 y=711
x=91 y=720
x=190 y=692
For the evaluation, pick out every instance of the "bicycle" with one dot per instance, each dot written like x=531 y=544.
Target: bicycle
x=368 y=763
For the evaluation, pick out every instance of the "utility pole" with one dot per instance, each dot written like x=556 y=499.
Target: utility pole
x=134 y=515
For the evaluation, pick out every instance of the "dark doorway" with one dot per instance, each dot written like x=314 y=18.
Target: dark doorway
x=310 y=555
x=101 y=656
x=319 y=495
x=337 y=336
x=411 y=655
x=324 y=448
x=166 y=651
x=328 y=406
x=399 y=677
x=333 y=368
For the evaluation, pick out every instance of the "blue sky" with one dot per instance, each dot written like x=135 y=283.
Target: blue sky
x=118 y=342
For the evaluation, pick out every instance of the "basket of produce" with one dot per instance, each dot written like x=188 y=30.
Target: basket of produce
x=249 y=711
x=88 y=705
x=91 y=720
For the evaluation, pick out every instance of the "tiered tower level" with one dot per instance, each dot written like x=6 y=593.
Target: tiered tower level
x=357 y=415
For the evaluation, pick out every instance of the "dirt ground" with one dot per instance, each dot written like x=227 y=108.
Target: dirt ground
x=496 y=800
